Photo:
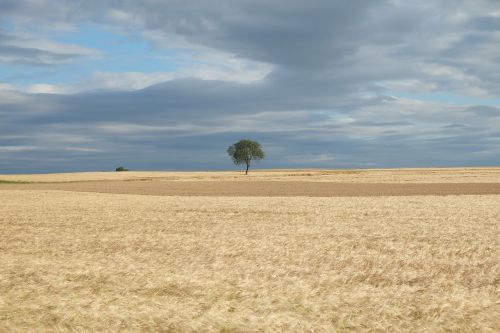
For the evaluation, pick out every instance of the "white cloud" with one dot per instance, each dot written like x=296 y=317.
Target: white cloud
x=411 y=85
x=26 y=41
x=26 y=49
x=232 y=71
x=42 y=88
x=17 y=148
x=308 y=159
x=84 y=149
x=131 y=128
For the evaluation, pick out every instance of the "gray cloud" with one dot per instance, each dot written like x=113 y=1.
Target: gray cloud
x=326 y=102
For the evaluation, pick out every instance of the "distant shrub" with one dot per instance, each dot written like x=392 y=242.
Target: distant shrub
x=120 y=168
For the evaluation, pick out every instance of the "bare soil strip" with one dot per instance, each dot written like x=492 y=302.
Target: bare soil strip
x=263 y=188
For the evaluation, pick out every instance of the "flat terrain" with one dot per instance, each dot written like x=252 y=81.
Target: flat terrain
x=435 y=175
x=300 y=253
x=262 y=188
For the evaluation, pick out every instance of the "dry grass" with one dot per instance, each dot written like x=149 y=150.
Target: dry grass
x=108 y=262
x=436 y=175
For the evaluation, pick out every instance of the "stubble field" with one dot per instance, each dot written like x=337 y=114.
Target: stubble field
x=212 y=262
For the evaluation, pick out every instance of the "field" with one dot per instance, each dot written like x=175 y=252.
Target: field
x=414 y=250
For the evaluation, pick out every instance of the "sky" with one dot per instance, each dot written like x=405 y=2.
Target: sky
x=89 y=85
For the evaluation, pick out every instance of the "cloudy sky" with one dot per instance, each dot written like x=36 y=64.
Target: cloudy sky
x=92 y=84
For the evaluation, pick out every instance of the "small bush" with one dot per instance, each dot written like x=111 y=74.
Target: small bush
x=120 y=168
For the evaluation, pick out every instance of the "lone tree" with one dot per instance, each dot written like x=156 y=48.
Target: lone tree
x=245 y=151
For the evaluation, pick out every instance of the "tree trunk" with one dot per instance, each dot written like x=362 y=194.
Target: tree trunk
x=248 y=165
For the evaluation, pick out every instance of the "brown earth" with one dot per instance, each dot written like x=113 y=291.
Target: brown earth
x=263 y=188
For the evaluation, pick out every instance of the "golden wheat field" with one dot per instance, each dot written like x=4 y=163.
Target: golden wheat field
x=417 y=175
x=73 y=261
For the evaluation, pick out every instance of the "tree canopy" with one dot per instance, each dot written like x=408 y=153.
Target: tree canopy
x=245 y=151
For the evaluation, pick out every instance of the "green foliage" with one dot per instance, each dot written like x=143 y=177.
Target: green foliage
x=245 y=151
x=120 y=168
